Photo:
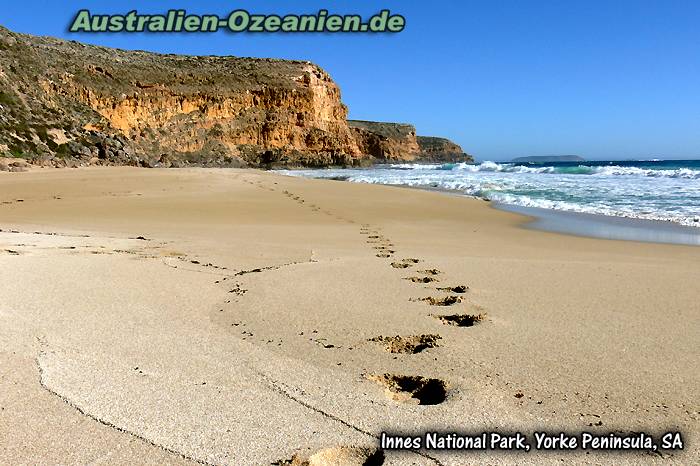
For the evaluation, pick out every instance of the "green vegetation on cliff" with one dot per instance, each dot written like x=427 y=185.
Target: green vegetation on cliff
x=66 y=103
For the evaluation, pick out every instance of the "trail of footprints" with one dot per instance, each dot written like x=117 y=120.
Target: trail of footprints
x=411 y=388
x=405 y=388
x=298 y=199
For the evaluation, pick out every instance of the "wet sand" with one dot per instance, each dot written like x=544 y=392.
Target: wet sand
x=243 y=317
x=607 y=227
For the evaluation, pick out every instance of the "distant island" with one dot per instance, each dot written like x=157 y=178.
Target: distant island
x=549 y=158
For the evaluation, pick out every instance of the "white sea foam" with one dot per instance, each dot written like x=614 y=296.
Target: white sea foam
x=670 y=194
x=608 y=170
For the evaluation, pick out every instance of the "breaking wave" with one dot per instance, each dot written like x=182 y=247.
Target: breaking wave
x=606 y=170
x=653 y=190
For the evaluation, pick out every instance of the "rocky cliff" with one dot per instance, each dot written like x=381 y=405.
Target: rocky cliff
x=385 y=141
x=436 y=149
x=66 y=103
x=398 y=142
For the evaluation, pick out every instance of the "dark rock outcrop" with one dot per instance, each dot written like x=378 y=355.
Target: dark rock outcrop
x=398 y=142
x=435 y=149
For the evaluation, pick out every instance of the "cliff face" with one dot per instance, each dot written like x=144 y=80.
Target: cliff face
x=63 y=99
x=398 y=142
x=390 y=141
x=63 y=103
x=441 y=150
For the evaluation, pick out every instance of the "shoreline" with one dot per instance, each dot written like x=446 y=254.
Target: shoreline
x=200 y=308
x=607 y=227
x=583 y=224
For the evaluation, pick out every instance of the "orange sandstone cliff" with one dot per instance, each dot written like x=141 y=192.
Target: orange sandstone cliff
x=66 y=103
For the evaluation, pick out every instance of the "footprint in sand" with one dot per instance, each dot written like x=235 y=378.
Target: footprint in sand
x=422 y=280
x=411 y=344
x=430 y=271
x=446 y=301
x=461 y=320
x=237 y=290
x=412 y=389
x=337 y=456
x=404 y=263
x=454 y=289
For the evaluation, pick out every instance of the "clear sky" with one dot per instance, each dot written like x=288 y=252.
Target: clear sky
x=601 y=79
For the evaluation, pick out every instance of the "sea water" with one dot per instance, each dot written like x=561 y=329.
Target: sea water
x=662 y=190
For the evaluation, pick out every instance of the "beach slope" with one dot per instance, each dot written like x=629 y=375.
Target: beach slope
x=226 y=316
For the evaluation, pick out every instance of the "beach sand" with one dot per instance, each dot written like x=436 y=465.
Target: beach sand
x=243 y=317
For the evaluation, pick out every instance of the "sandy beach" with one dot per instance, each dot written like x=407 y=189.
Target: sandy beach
x=230 y=316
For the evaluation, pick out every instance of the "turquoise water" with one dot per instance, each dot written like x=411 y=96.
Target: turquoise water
x=667 y=190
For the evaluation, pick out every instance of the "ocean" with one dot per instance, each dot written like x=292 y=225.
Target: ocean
x=664 y=190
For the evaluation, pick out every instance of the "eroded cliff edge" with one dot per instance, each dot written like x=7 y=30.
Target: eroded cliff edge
x=397 y=142
x=66 y=103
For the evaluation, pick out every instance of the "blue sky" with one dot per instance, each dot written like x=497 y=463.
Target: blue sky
x=602 y=79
